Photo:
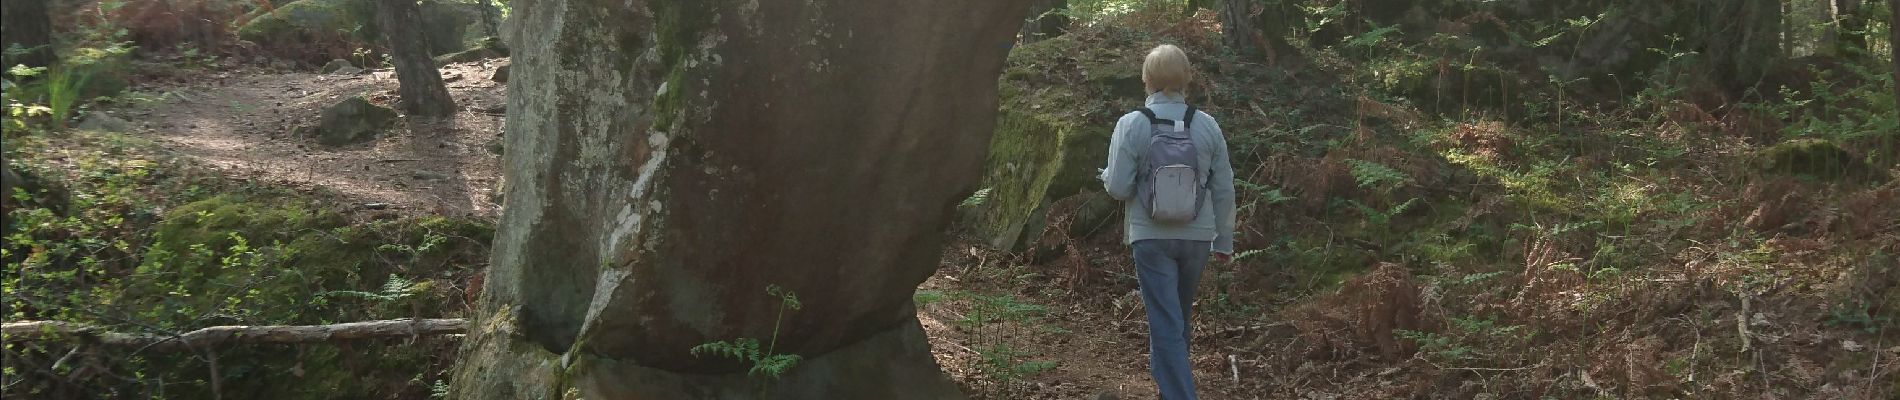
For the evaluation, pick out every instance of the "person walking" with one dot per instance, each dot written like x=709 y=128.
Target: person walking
x=1168 y=163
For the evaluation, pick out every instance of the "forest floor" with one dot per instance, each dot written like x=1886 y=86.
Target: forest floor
x=242 y=122
x=1697 y=316
x=1000 y=329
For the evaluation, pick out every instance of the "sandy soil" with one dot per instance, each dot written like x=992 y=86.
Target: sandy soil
x=242 y=122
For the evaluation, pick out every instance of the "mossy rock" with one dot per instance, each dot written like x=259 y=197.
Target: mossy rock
x=1815 y=158
x=1052 y=135
x=487 y=48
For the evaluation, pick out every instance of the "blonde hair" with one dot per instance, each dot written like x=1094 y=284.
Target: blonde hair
x=1167 y=69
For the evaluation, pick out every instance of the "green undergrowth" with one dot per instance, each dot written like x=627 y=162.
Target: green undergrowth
x=116 y=233
x=1533 y=212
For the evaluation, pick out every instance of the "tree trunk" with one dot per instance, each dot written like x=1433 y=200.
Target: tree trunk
x=1275 y=20
x=669 y=159
x=488 y=17
x=419 y=81
x=1742 y=41
x=1893 y=43
x=1850 y=28
x=1236 y=27
x=1046 y=20
x=27 y=24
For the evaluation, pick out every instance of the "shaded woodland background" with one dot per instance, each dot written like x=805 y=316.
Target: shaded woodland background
x=1441 y=199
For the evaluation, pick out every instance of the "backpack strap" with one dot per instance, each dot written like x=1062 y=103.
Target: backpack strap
x=1150 y=113
x=1187 y=121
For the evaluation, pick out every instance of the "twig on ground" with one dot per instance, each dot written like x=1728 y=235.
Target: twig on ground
x=265 y=334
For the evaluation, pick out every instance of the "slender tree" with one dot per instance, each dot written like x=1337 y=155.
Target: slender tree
x=488 y=17
x=1237 y=27
x=1267 y=23
x=1849 y=27
x=26 y=23
x=670 y=159
x=1893 y=43
x=419 y=80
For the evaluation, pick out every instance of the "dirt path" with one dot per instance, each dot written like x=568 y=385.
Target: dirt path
x=242 y=122
x=1094 y=333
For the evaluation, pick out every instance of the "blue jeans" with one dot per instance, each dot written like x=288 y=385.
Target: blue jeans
x=1169 y=271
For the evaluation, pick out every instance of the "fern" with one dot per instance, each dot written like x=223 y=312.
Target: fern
x=765 y=361
x=975 y=199
x=1378 y=217
x=1372 y=38
x=1375 y=175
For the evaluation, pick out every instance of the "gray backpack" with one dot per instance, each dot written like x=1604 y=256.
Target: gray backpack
x=1171 y=181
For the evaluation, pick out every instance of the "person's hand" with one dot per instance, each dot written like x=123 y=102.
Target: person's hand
x=1223 y=258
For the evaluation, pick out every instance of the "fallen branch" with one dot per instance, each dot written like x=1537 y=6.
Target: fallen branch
x=28 y=331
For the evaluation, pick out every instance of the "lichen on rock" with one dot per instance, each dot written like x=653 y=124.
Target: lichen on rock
x=1049 y=140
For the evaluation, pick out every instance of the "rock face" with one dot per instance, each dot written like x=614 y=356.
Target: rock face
x=353 y=120
x=1049 y=142
x=665 y=168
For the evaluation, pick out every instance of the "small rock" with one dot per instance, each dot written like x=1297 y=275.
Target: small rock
x=352 y=120
x=375 y=206
x=501 y=74
x=105 y=123
x=452 y=78
x=338 y=65
x=1852 y=346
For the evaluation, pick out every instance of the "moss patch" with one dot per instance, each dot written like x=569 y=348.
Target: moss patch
x=256 y=260
x=1049 y=140
x=1814 y=158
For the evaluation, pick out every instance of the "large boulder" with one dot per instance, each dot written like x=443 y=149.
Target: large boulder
x=668 y=161
x=319 y=30
x=313 y=30
x=353 y=120
x=451 y=26
x=1060 y=100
